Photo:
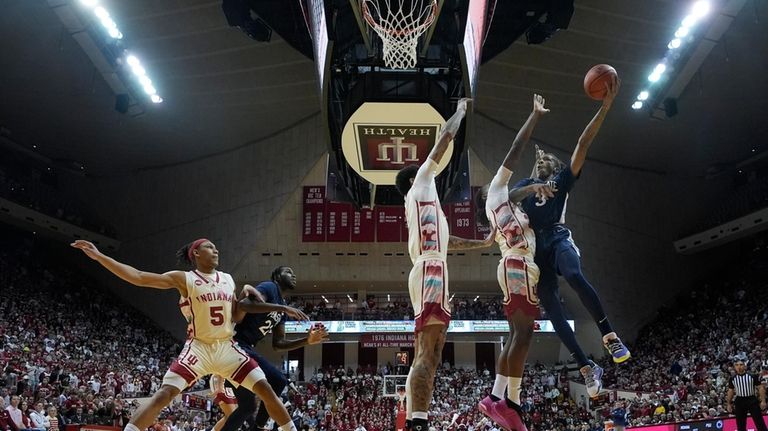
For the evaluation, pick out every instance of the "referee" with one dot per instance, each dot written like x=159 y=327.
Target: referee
x=743 y=386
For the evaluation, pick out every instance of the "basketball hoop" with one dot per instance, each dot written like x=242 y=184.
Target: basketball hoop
x=399 y=26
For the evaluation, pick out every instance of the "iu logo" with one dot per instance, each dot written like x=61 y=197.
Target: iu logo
x=191 y=360
x=390 y=147
x=399 y=148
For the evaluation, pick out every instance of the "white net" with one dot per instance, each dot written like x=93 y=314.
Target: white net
x=399 y=23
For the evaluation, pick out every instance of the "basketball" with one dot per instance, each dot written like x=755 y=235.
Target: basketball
x=596 y=78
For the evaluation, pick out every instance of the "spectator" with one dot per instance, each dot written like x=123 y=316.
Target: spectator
x=15 y=413
x=39 y=418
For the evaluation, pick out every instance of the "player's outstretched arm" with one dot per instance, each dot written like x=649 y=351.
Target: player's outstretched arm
x=279 y=343
x=525 y=132
x=459 y=243
x=586 y=138
x=168 y=280
x=541 y=191
x=249 y=305
x=449 y=131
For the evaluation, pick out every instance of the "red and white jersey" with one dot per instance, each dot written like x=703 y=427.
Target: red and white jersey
x=514 y=234
x=427 y=225
x=208 y=306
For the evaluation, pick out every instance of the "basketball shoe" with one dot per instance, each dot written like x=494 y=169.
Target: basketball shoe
x=592 y=378
x=485 y=405
x=616 y=348
x=509 y=418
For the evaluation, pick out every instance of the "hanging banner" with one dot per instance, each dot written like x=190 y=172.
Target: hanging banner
x=313 y=228
x=339 y=221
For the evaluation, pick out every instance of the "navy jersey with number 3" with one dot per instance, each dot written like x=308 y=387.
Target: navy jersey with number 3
x=548 y=212
x=256 y=326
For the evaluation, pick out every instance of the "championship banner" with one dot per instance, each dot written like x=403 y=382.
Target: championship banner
x=379 y=139
x=387 y=340
x=313 y=229
x=363 y=226
x=339 y=219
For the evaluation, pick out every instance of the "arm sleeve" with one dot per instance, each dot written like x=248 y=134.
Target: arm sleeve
x=426 y=174
x=500 y=181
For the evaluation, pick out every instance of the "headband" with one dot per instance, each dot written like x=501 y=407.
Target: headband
x=195 y=244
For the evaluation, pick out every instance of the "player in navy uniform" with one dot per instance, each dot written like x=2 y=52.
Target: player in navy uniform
x=556 y=253
x=253 y=328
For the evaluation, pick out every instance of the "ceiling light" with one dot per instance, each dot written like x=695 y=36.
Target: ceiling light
x=681 y=32
x=107 y=22
x=700 y=8
x=674 y=43
x=132 y=60
x=637 y=105
x=660 y=68
x=156 y=99
x=145 y=81
x=115 y=33
x=138 y=70
x=689 y=21
x=89 y=3
x=101 y=13
x=149 y=89
x=654 y=77
x=643 y=95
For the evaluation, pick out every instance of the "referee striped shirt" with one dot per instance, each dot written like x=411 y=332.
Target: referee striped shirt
x=744 y=385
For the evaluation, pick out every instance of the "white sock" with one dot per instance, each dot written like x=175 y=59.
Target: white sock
x=290 y=426
x=131 y=427
x=421 y=415
x=513 y=390
x=609 y=336
x=498 y=386
x=408 y=402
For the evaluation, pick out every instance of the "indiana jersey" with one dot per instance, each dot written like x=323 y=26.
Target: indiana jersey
x=513 y=233
x=547 y=212
x=427 y=225
x=256 y=326
x=208 y=306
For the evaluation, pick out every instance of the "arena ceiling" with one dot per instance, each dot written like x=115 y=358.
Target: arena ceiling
x=223 y=90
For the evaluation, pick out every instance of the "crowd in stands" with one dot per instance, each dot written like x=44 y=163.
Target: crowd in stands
x=70 y=353
x=684 y=358
x=348 y=400
x=67 y=345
